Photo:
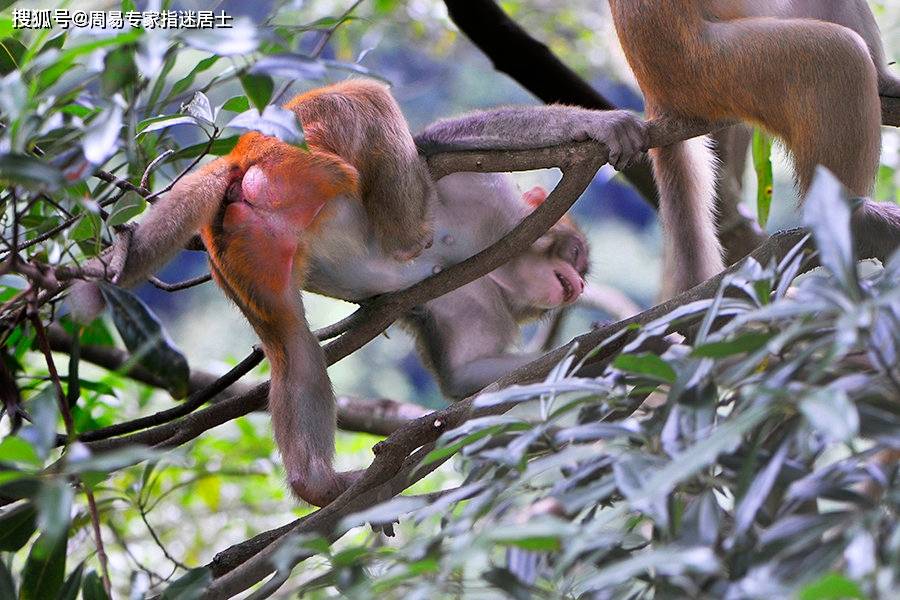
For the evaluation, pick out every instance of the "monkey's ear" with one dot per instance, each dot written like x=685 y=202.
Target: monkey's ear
x=535 y=196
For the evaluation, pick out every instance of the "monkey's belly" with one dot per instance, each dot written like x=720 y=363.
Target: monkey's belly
x=366 y=274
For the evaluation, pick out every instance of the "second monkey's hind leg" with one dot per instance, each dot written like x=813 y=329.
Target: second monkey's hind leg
x=397 y=200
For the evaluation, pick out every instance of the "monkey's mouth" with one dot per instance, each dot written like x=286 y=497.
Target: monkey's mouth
x=569 y=288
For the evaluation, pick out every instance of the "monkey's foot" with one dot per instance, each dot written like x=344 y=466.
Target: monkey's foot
x=406 y=247
x=876 y=229
x=623 y=134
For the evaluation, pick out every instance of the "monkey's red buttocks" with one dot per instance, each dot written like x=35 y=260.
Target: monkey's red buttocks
x=294 y=199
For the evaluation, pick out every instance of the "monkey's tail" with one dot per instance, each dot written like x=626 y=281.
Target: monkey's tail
x=686 y=177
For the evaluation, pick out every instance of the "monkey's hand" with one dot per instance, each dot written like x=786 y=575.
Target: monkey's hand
x=85 y=299
x=621 y=131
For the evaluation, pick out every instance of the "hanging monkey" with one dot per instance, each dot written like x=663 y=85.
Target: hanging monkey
x=357 y=215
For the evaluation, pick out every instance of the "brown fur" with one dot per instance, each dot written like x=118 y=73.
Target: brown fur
x=761 y=70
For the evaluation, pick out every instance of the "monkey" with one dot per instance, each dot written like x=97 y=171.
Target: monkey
x=732 y=142
x=763 y=71
x=853 y=14
x=276 y=219
x=464 y=336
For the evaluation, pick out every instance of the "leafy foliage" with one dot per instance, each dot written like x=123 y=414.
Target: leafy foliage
x=744 y=482
x=733 y=465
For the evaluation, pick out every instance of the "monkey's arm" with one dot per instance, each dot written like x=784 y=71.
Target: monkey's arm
x=526 y=127
x=464 y=337
x=166 y=228
x=173 y=220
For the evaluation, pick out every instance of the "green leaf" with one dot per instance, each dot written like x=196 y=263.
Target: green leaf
x=11 y=52
x=665 y=561
x=237 y=104
x=831 y=587
x=160 y=81
x=832 y=413
x=189 y=586
x=111 y=461
x=6 y=23
x=44 y=409
x=54 y=505
x=128 y=206
x=87 y=228
x=827 y=214
x=92 y=588
x=186 y=81
x=219 y=147
x=7 y=585
x=646 y=364
x=146 y=339
x=762 y=164
x=384 y=513
x=164 y=121
x=29 y=172
x=289 y=66
x=16 y=450
x=54 y=43
x=275 y=121
x=446 y=451
x=240 y=38
x=44 y=571
x=119 y=71
x=101 y=138
x=742 y=344
x=259 y=89
x=543 y=535
x=70 y=588
x=200 y=108
x=17 y=526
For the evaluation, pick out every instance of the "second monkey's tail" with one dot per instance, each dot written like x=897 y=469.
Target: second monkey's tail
x=686 y=177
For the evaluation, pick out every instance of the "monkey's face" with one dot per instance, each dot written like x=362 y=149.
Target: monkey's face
x=551 y=273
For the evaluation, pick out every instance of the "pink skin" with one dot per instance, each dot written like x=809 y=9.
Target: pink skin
x=282 y=199
x=571 y=284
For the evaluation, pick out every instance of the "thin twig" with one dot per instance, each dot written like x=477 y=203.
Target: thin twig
x=181 y=285
x=152 y=197
x=317 y=49
x=98 y=540
x=153 y=164
x=195 y=401
x=41 y=335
